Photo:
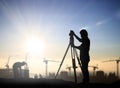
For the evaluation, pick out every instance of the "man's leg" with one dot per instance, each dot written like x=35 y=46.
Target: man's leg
x=15 y=71
x=85 y=72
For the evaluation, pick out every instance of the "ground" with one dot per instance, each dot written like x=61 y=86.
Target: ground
x=53 y=83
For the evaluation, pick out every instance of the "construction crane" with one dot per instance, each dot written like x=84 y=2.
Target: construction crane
x=26 y=59
x=7 y=65
x=94 y=69
x=46 y=62
x=69 y=68
x=9 y=57
x=117 y=65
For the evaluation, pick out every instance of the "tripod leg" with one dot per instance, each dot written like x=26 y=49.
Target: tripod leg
x=62 y=61
x=74 y=63
x=79 y=62
x=74 y=67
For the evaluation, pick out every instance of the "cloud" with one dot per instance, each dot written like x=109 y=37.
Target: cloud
x=99 y=23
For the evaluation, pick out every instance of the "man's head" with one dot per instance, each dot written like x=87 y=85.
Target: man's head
x=24 y=63
x=83 y=33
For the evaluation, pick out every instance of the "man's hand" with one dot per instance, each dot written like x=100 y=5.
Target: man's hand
x=72 y=32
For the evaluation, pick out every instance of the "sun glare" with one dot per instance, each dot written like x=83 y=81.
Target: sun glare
x=35 y=45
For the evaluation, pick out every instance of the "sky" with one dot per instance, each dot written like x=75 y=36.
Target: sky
x=39 y=29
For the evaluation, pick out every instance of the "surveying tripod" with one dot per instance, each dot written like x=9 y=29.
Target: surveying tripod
x=73 y=56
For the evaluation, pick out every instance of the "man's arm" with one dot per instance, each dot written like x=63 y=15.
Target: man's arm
x=77 y=38
x=76 y=47
x=72 y=32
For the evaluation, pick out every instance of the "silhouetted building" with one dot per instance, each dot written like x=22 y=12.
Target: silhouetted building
x=112 y=77
x=25 y=73
x=52 y=75
x=100 y=76
x=6 y=73
x=40 y=76
x=35 y=76
x=64 y=75
x=100 y=73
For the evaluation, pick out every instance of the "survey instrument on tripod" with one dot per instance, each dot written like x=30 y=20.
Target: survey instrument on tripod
x=73 y=56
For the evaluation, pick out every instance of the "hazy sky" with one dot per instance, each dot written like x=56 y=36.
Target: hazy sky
x=49 y=21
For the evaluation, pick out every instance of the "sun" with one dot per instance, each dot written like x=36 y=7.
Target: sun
x=34 y=45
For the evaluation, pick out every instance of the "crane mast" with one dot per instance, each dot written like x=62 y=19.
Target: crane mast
x=117 y=65
x=46 y=62
x=7 y=65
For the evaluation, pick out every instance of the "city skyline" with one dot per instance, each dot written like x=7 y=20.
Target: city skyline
x=40 y=29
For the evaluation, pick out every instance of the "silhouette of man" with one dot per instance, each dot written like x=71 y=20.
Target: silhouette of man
x=84 y=53
x=17 y=69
